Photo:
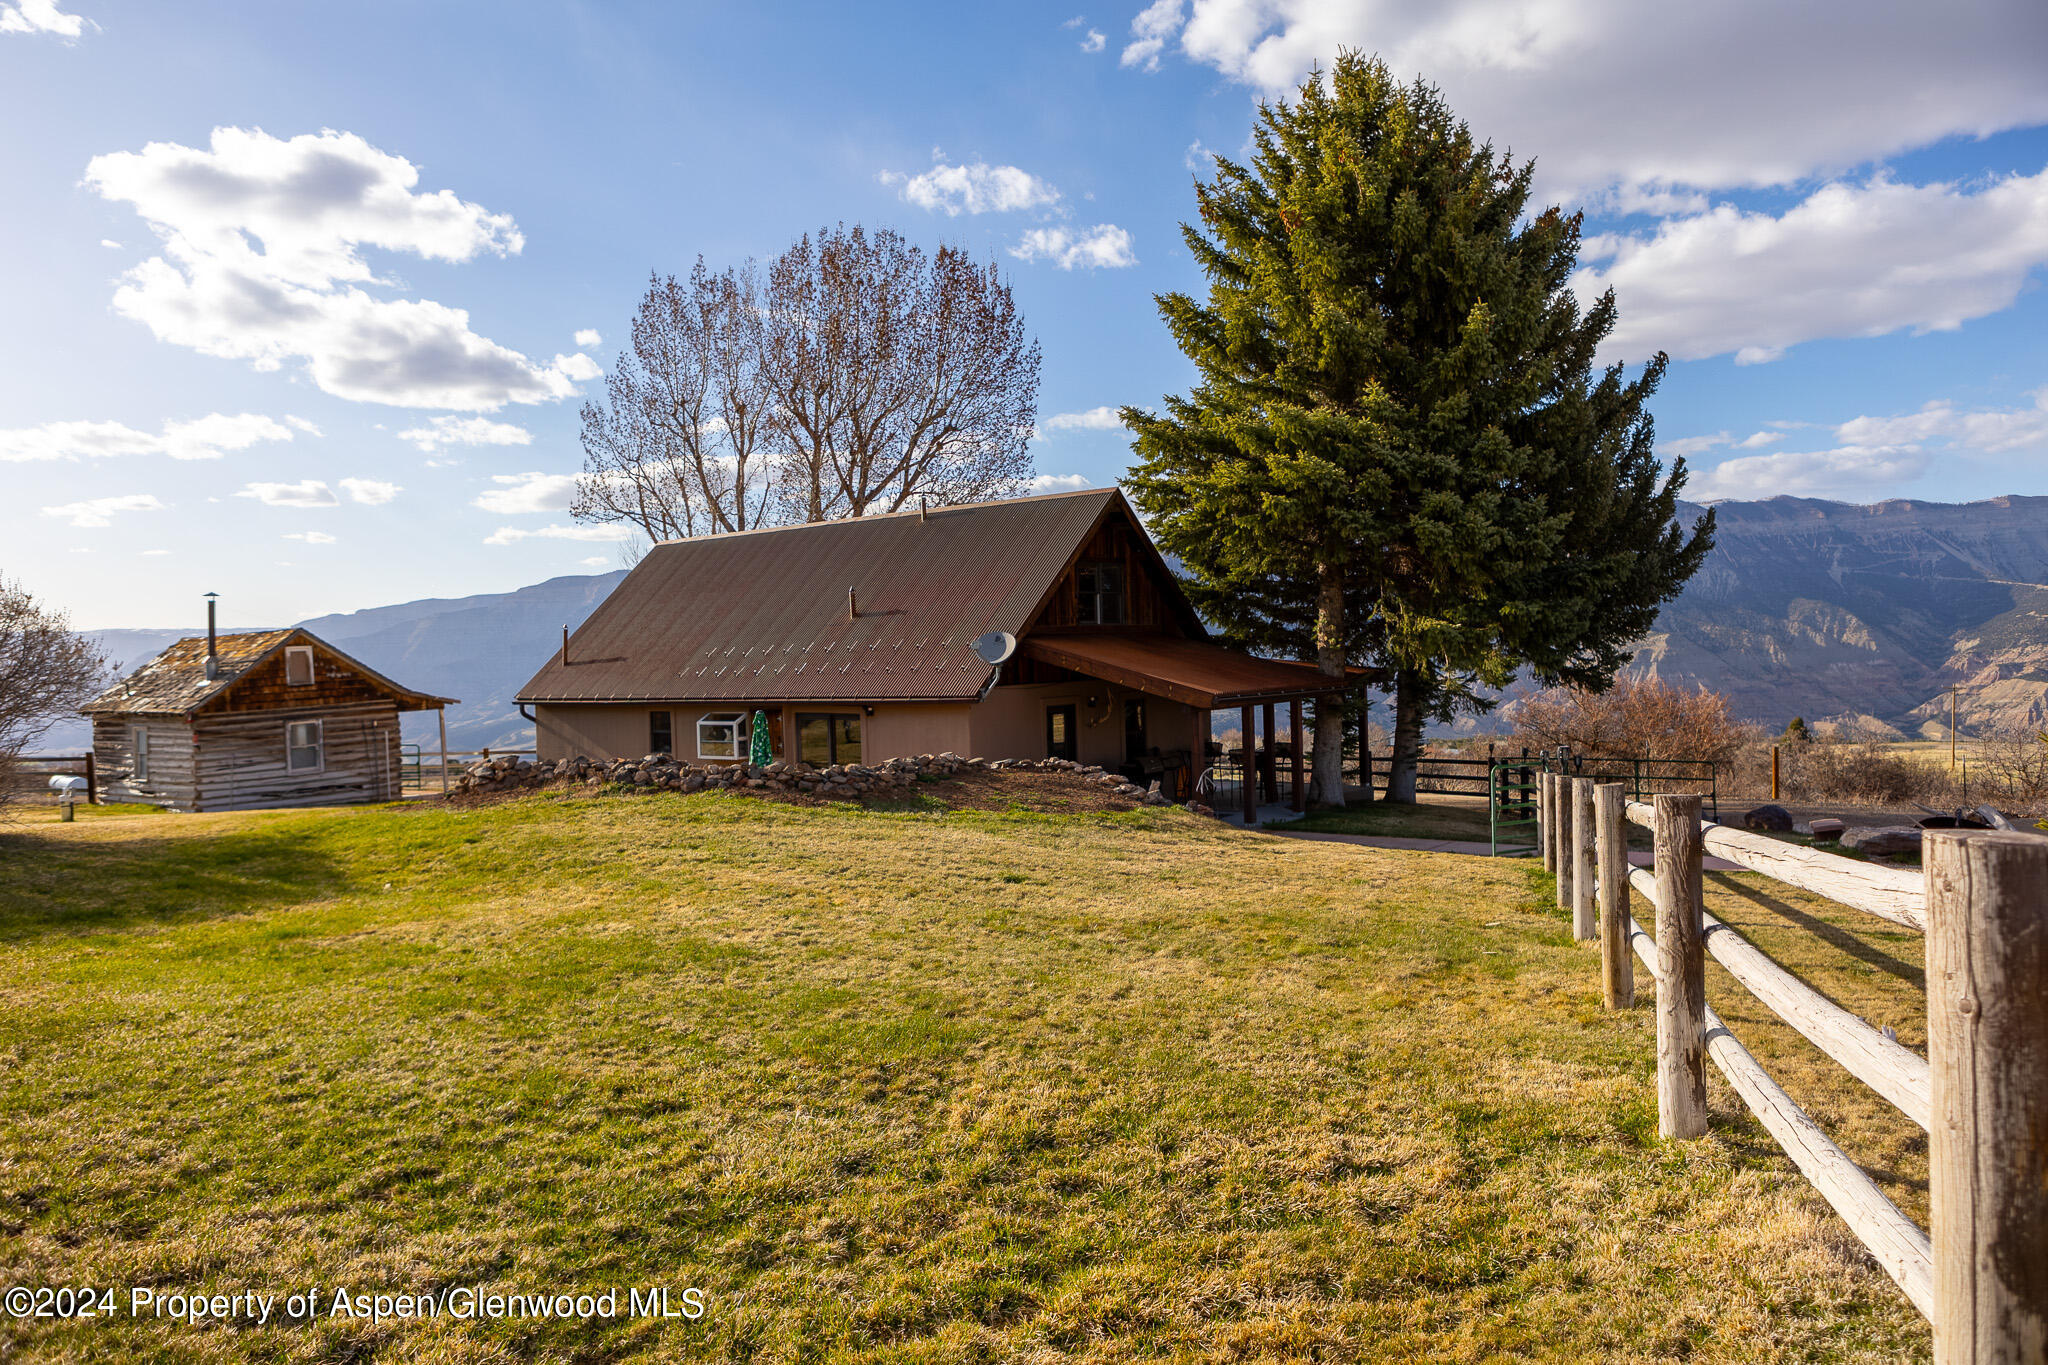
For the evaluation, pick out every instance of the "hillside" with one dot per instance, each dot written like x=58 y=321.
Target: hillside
x=1821 y=608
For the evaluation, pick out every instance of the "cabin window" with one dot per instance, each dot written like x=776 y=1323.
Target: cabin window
x=298 y=666
x=825 y=740
x=719 y=734
x=661 y=734
x=305 y=748
x=138 y=739
x=1102 y=594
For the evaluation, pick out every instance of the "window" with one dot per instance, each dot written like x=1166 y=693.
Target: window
x=304 y=748
x=661 y=735
x=1102 y=594
x=298 y=666
x=138 y=739
x=719 y=735
x=824 y=740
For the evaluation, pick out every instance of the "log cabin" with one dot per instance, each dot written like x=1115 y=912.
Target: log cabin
x=854 y=641
x=263 y=718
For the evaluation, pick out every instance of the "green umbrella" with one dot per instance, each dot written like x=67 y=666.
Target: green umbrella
x=757 y=751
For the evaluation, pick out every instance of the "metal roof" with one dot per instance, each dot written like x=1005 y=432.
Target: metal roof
x=175 y=681
x=1189 y=671
x=763 y=615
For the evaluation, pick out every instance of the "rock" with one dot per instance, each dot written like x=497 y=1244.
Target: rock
x=1825 y=830
x=1883 y=841
x=1774 y=818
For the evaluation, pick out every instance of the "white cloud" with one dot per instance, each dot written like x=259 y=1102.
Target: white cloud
x=110 y=244
x=39 y=16
x=531 y=492
x=100 y=511
x=305 y=493
x=1690 y=446
x=1094 y=419
x=1741 y=92
x=1853 y=473
x=1992 y=431
x=589 y=337
x=466 y=431
x=310 y=537
x=1104 y=246
x=595 y=561
x=201 y=438
x=263 y=241
x=152 y=554
x=512 y=535
x=1094 y=42
x=1058 y=483
x=976 y=188
x=370 y=492
x=1851 y=260
x=1199 y=159
x=1150 y=32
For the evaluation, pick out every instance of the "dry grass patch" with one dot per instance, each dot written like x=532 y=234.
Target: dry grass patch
x=889 y=1086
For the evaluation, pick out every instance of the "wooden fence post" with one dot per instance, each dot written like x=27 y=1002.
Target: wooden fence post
x=92 y=782
x=1681 y=970
x=1617 y=963
x=1561 y=836
x=1987 y=1044
x=1545 y=825
x=1584 y=926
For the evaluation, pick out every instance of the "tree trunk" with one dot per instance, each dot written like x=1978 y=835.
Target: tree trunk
x=1327 y=788
x=1410 y=690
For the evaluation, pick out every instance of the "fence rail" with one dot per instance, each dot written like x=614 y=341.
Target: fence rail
x=32 y=773
x=1981 y=1276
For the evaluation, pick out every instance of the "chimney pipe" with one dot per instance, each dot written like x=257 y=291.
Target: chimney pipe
x=852 y=606
x=565 y=642
x=212 y=645
x=923 y=512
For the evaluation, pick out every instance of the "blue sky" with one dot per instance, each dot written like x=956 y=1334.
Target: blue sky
x=290 y=295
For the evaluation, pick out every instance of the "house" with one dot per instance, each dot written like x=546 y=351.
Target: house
x=265 y=718
x=855 y=640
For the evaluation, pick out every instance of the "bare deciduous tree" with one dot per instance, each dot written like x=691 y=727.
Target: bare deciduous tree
x=863 y=377
x=1635 y=718
x=675 y=448
x=46 y=669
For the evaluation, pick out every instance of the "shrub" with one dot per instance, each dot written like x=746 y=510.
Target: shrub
x=1635 y=718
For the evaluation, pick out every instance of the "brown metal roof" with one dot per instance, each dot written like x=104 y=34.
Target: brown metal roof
x=175 y=681
x=762 y=615
x=1188 y=671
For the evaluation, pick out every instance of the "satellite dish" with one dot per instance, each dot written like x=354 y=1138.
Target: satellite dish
x=995 y=646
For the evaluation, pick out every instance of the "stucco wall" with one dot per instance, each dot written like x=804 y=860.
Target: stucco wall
x=1011 y=722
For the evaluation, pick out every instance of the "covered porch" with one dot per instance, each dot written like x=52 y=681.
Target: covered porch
x=1210 y=678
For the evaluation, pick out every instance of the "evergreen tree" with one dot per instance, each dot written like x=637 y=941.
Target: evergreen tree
x=1397 y=452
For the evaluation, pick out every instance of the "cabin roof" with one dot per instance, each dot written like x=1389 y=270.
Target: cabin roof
x=763 y=615
x=175 y=681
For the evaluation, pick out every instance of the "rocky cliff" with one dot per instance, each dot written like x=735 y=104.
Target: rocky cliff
x=1825 y=608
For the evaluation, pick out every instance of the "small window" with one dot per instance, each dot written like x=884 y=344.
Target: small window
x=719 y=734
x=305 y=750
x=1102 y=594
x=661 y=733
x=298 y=666
x=138 y=739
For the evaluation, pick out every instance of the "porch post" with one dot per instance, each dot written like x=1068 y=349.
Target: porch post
x=1249 y=769
x=1294 y=734
x=1269 y=767
x=1198 y=757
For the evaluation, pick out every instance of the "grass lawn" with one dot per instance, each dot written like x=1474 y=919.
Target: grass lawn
x=1432 y=816
x=909 y=1086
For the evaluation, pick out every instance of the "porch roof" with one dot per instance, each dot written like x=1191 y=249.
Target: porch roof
x=1190 y=671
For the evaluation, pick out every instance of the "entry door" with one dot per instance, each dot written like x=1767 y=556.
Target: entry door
x=1059 y=733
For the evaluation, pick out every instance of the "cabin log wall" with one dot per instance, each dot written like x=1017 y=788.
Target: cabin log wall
x=241 y=763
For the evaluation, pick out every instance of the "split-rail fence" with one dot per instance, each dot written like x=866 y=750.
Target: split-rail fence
x=1980 y=1275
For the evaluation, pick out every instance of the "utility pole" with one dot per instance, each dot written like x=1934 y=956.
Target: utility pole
x=1951 y=727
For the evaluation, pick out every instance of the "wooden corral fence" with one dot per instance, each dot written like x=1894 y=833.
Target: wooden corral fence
x=1981 y=1277
x=29 y=775
x=425 y=770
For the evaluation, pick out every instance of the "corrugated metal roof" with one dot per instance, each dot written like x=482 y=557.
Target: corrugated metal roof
x=762 y=615
x=1190 y=671
x=175 y=681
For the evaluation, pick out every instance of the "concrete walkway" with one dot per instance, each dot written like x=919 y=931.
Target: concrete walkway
x=1637 y=857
